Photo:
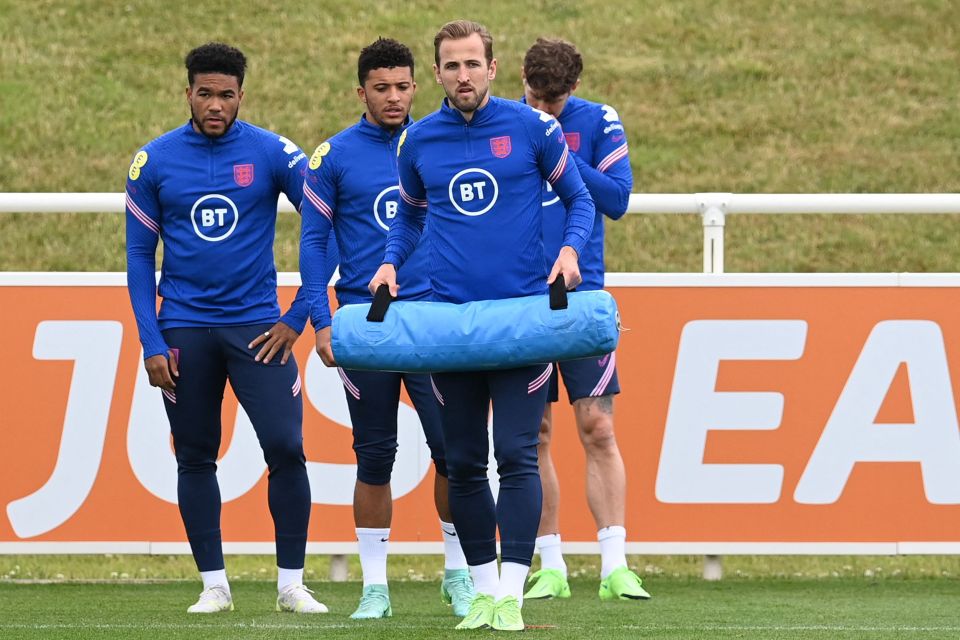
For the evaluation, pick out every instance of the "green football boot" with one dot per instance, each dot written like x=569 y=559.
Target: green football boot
x=623 y=584
x=480 y=615
x=374 y=603
x=457 y=590
x=548 y=583
x=506 y=615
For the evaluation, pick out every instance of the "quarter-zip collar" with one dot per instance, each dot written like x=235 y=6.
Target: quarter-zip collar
x=480 y=116
x=234 y=132
x=377 y=132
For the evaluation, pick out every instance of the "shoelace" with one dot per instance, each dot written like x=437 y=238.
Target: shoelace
x=460 y=585
x=374 y=596
x=297 y=592
x=213 y=594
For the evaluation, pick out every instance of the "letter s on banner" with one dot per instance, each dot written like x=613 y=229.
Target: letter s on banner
x=696 y=408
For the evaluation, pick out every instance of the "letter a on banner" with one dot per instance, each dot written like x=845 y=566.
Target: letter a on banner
x=851 y=436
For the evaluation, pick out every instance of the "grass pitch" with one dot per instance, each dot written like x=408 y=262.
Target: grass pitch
x=681 y=609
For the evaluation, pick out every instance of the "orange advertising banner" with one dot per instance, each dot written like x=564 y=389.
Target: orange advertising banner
x=764 y=409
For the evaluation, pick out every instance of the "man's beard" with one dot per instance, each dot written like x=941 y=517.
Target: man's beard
x=226 y=125
x=472 y=105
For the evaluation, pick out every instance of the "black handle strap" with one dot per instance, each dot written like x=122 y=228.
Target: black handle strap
x=381 y=300
x=558 y=294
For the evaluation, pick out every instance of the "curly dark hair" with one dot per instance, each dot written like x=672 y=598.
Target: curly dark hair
x=385 y=53
x=552 y=67
x=216 y=57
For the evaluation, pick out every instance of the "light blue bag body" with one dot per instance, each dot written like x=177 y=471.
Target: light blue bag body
x=474 y=336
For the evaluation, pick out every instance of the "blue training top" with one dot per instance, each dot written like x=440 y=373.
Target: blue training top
x=598 y=143
x=213 y=201
x=351 y=186
x=481 y=184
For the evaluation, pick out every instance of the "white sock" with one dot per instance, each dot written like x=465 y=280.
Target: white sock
x=486 y=578
x=613 y=554
x=213 y=578
x=551 y=555
x=373 y=554
x=287 y=577
x=453 y=557
x=512 y=578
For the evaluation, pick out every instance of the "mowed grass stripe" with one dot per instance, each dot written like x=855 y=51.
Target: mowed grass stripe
x=681 y=608
x=395 y=625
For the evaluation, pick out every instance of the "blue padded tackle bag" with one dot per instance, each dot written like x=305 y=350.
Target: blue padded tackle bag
x=420 y=337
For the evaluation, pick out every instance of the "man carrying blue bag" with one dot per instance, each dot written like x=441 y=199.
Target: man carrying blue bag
x=476 y=167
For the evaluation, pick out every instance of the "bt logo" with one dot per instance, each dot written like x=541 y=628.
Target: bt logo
x=214 y=217
x=473 y=192
x=384 y=209
x=549 y=197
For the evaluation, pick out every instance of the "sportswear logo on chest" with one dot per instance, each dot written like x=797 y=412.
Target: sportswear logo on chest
x=243 y=174
x=214 y=217
x=573 y=140
x=501 y=146
x=473 y=191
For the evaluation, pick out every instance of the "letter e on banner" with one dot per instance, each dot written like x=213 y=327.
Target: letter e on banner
x=696 y=408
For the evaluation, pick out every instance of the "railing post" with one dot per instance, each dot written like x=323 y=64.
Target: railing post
x=713 y=209
x=338 y=568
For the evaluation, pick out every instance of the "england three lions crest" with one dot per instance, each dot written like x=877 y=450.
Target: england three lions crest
x=243 y=174
x=500 y=147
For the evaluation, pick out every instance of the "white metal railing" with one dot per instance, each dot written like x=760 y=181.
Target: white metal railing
x=712 y=207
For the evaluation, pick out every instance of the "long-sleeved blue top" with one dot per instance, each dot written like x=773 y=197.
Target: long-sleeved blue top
x=351 y=186
x=598 y=143
x=480 y=183
x=213 y=202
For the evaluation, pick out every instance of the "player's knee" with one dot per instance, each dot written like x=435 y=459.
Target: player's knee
x=194 y=457
x=375 y=467
x=546 y=431
x=463 y=469
x=596 y=431
x=516 y=460
x=282 y=452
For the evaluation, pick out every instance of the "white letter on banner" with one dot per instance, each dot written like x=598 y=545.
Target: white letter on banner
x=333 y=483
x=152 y=458
x=696 y=408
x=95 y=348
x=851 y=435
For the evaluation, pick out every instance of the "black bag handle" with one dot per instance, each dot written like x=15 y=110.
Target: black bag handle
x=381 y=300
x=558 y=293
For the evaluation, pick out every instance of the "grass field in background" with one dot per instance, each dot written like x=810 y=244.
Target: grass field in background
x=680 y=609
x=744 y=96
x=418 y=568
